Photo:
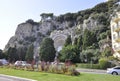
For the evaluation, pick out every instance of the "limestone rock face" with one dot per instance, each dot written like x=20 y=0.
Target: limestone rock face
x=25 y=35
x=90 y=24
x=29 y=33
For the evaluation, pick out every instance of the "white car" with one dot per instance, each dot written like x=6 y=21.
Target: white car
x=114 y=70
x=4 y=61
x=21 y=63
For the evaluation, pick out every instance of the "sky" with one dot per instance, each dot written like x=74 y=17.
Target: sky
x=14 y=12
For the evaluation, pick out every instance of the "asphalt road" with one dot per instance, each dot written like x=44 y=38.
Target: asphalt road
x=6 y=79
x=94 y=71
x=12 y=78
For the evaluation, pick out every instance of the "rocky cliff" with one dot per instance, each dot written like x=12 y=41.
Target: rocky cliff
x=59 y=27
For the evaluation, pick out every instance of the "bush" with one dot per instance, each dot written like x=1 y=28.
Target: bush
x=104 y=63
x=75 y=72
x=30 y=21
x=62 y=69
x=69 y=52
x=52 y=68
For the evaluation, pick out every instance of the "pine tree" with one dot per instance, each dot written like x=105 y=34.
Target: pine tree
x=88 y=39
x=12 y=54
x=47 y=50
x=30 y=53
x=68 y=41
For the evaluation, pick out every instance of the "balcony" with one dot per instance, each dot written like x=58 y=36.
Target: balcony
x=116 y=20
x=117 y=29
x=117 y=49
x=118 y=39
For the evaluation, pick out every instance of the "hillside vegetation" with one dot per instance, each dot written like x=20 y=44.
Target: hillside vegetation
x=90 y=40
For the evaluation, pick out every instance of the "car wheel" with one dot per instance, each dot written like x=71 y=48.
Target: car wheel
x=114 y=73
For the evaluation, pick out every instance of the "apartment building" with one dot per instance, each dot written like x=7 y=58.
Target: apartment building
x=115 y=34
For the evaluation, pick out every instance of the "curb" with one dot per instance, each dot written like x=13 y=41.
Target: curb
x=16 y=78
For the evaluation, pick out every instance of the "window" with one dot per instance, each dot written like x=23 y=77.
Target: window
x=114 y=37
x=115 y=47
x=113 y=27
x=119 y=23
x=117 y=68
x=118 y=34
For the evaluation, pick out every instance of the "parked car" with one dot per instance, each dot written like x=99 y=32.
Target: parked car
x=114 y=71
x=21 y=63
x=3 y=62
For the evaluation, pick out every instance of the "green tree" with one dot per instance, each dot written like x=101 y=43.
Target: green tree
x=46 y=15
x=70 y=52
x=79 y=19
x=75 y=41
x=30 y=21
x=30 y=53
x=87 y=55
x=60 y=18
x=107 y=52
x=68 y=41
x=88 y=39
x=96 y=55
x=12 y=55
x=68 y=16
x=108 y=33
x=102 y=18
x=47 y=50
x=21 y=53
x=80 y=42
x=103 y=35
x=1 y=54
x=102 y=7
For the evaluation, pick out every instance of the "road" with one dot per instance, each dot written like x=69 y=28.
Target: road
x=94 y=71
x=12 y=78
x=5 y=79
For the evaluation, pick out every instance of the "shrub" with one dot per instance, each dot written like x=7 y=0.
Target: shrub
x=104 y=63
x=75 y=72
x=30 y=21
x=71 y=71
x=52 y=68
x=63 y=69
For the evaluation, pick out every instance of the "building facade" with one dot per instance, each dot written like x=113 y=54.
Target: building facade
x=115 y=34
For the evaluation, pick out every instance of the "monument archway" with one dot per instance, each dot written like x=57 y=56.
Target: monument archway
x=59 y=38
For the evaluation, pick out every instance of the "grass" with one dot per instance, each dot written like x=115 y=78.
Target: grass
x=41 y=76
